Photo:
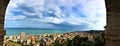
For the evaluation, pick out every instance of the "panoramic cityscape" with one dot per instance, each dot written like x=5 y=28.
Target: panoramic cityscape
x=55 y=23
x=77 y=38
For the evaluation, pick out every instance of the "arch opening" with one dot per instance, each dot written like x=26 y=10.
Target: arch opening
x=54 y=21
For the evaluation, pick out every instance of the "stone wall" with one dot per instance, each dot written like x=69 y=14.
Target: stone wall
x=3 y=6
x=112 y=32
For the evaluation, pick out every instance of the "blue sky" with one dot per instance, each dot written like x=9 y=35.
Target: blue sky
x=56 y=14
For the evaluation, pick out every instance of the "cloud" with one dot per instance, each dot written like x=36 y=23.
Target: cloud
x=90 y=14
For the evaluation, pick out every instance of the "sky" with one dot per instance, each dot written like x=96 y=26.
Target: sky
x=56 y=14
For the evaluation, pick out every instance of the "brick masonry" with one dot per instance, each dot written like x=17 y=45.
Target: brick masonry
x=112 y=31
x=3 y=6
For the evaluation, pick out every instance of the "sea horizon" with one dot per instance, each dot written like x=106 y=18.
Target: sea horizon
x=36 y=31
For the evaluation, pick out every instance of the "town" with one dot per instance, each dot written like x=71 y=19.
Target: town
x=77 y=38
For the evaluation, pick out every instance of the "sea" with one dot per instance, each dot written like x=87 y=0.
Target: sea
x=34 y=31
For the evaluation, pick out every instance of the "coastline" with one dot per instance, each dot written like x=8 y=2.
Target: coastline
x=34 y=31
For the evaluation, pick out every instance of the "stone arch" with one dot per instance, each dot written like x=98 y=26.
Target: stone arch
x=3 y=6
x=112 y=31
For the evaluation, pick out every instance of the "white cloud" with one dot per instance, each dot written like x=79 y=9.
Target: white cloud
x=93 y=10
x=15 y=17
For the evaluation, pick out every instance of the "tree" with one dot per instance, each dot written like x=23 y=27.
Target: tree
x=99 y=42
x=87 y=43
x=77 y=40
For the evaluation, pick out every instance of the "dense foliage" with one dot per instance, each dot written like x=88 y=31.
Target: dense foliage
x=81 y=41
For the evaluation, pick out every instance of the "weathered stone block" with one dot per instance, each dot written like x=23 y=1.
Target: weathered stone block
x=1 y=18
x=112 y=35
x=107 y=38
x=2 y=33
x=4 y=2
x=115 y=39
x=117 y=32
x=2 y=10
x=1 y=26
x=113 y=5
